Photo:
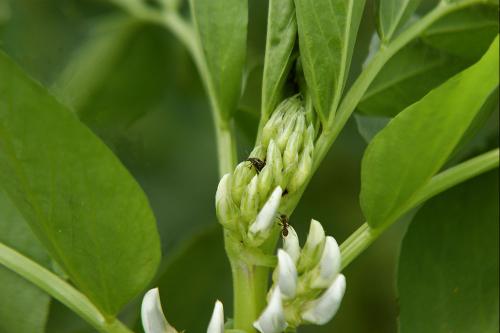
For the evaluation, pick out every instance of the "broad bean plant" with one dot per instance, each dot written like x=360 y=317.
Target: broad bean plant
x=76 y=227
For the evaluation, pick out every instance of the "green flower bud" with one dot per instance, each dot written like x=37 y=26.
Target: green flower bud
x=265 y=182
x=287 y=130
x=226 y=209
x=241 y=177
x=250 y=201
x=275 y=161
x=291 y=153
x=303 y=170
x=272 y=126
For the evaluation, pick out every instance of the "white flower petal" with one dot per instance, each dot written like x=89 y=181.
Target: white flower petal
x=322 y=310
x=287 y=280
x=272 y=319
x=329 y=265
x=264 y=220
x=291 y=244
x=216 y=324
x=313 y=248
x=152 y=316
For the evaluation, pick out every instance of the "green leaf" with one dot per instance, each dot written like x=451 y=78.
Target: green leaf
x=466 y=33
x=392 y=15
x=327 y=34
x=417 y=142
x=23 y=307
x=448 y=267
x=407 y=77
x=280 y=41
x=222 y=31
x=369 y=126
x=79 y=200
x=194 y=279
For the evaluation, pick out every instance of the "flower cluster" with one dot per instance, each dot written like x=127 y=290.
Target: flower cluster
x=308 y=286
x=277 y=167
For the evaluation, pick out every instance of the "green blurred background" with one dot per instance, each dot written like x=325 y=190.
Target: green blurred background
x=138 y=90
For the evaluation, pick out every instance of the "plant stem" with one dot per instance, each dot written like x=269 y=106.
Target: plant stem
x=60 y=290
x=365 y=236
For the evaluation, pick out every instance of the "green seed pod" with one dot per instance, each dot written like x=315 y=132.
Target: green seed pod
x=250 y=201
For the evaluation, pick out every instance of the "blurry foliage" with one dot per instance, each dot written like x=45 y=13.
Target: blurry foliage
x=149 y=107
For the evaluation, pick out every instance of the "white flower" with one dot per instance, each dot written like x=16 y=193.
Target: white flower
x=287 y=279
x=313 y=247
x=321 y=310
x=272 y=319
x=329 y=265
x=264 y=220
x=152 y=316
x=216 y=324
x=291 y=244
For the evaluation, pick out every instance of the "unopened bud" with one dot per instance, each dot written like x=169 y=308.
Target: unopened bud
x=303 y=170
x=287 y=279
x=261 y=228
x=329 y=265
x=241 y=177
x=272 y=319
x=225 y=207
x=275 y=161
x=216 y=324
x=291 y=153
x=272 y=126
x=313 y=247
x=250 y=200
x=287 y=130
x=322 y=310
x=265 y=181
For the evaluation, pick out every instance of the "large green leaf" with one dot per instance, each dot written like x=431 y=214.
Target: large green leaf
x=407 y=77
x=280 y=41
x=466 y=33
x=23 y=307
x=448 y=267
x=77 y=197
x=327 y=34
x=417 y=142
x=392 y=15
x=222 y=31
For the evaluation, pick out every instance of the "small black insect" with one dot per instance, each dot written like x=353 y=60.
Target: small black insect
x=257 y=163
x=284 y=224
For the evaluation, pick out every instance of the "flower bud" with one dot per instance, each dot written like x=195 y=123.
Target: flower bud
x=275 y=161
x=272 y=126
x=261 y=228
x=250 y=201
x=287 y=130
x=313 y=247
x=225 y=207
x=291 y=244
x=265 y=181
x=303 y=170
x=287 y=279
x=152 y=316
x=329 y=265
x=322 y=310
x=291 y=153
x=216 y=324
x=241 y=177
x=272 y=319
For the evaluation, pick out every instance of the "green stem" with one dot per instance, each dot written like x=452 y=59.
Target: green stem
x=60 y=290
x=226 y=147
x=365 y=236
